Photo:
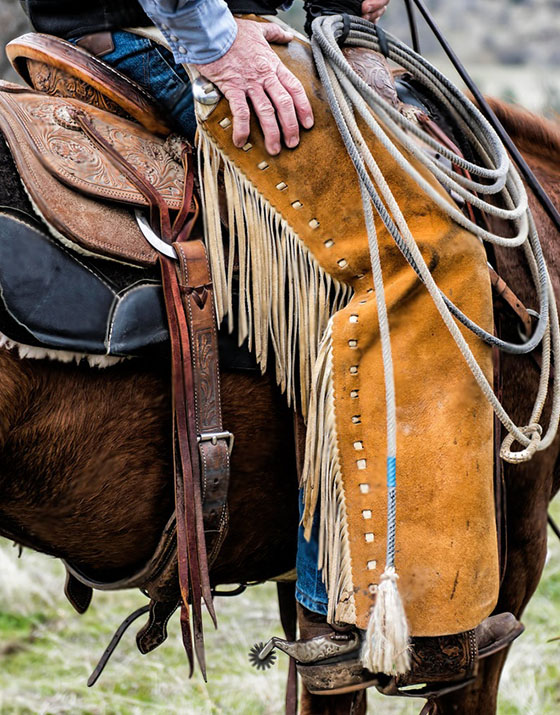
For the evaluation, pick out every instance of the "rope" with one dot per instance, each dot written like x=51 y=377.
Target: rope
x=347 y=93
x=387 y=635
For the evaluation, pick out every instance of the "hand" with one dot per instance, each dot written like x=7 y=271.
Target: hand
x=372 y=10
x=251 y=70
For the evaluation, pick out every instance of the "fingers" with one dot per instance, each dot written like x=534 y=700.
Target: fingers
x=373 y=10
x=241 y=116
x=274 y=33
x=285 y=110
x=370 y=7
x=296 y=91
x=267 y=118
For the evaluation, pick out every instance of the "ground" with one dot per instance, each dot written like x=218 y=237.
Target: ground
x=47 y=652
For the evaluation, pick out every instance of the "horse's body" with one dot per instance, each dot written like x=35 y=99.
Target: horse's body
x=86 y=464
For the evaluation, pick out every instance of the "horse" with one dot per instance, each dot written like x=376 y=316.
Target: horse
x=86 y=464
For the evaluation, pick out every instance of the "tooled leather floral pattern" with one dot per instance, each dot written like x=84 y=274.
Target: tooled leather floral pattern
x=57 y=83
x=70 y=155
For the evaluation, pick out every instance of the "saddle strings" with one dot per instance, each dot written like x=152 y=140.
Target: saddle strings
x=386 y=643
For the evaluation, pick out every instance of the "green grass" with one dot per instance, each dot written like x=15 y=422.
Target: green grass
x=47 y=652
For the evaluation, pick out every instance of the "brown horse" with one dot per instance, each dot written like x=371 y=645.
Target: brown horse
x=86 y=467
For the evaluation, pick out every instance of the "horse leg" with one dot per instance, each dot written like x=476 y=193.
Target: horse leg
x=350 y=704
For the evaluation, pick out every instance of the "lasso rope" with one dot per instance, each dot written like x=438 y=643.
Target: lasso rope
x=387 y=637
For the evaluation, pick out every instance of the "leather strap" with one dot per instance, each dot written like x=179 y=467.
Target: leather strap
x=288 y=617
x=214 y=444
x=503 y=291
x=154 y=632
x=200 y=447
x=77 y=593
x=97 y=43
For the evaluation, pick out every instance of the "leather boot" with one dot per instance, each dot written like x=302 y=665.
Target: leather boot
x=329 y=657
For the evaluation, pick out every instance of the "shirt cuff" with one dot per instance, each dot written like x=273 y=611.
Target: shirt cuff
x=199 y=32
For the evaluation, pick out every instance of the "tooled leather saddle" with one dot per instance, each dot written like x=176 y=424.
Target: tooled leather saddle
x=100 y=181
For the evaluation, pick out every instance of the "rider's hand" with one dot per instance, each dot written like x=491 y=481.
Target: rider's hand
x=251 y=70
x=372 y=10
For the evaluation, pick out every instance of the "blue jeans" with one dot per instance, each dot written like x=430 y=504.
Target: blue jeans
x=153 y=67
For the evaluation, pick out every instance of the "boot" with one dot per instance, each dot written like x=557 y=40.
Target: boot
x=329 y=657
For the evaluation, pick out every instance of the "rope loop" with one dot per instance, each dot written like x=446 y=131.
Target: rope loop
x=534 y=433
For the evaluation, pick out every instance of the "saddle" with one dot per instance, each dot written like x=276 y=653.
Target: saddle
x=101 y=182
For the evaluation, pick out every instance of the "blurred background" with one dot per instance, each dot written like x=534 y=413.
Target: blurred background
x=512 y=50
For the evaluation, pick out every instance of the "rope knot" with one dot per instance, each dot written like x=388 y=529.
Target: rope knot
x=389 y=575
x=533 y=432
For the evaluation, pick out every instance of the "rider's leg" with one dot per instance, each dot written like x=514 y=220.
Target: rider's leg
x=152 y=66
x=310 y=589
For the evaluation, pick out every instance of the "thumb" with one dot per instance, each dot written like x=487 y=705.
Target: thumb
x=274 y=33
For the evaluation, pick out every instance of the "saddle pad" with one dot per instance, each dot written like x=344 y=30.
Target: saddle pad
x=100 y=227
x=53 y=298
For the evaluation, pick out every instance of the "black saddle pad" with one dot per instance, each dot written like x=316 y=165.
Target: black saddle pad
x=53 y=297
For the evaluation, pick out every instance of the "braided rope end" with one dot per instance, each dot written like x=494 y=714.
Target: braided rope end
x=386 y=647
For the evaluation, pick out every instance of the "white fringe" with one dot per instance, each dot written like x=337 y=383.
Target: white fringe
x=34 y=353
x=286 y=299
x=322 y=481
x=386 y=646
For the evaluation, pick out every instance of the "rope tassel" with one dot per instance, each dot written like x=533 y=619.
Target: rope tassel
x=386 y=645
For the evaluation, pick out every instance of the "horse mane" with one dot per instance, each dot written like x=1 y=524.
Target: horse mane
x=535 y=134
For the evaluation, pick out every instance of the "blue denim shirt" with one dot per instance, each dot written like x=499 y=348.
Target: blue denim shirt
x=198 y=31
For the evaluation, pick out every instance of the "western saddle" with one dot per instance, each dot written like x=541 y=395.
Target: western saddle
x=97 y=157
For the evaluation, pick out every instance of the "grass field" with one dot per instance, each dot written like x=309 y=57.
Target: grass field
x=47 y=652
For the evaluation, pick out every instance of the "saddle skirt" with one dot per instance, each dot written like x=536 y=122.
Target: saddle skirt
x=72 y=185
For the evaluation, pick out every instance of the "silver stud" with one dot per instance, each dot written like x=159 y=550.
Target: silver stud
x=358 y=446
x=297 y=205
x=361 y=464
x=225 y=122
x=366 y=513
x=353 y=369
x=354 y=394
x=364 y=488
x=314 y=223
x=262 y=165
x=372 y=565
x=353 y=319
x=369 y=537
x=329 y=243
x=342 y=263
x=356 y=420
x=282 y=186
x=247 y=147
x=353 y=344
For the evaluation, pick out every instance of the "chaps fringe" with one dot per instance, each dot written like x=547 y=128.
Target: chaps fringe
x=285 y=298
x=322 y=482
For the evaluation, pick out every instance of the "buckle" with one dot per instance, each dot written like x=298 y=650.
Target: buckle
x=215 y=436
